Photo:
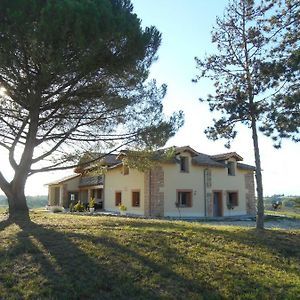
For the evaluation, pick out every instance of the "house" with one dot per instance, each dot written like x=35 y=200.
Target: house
x=191 y=184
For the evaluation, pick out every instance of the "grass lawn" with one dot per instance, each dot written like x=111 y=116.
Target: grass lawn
x=2 y=209
x=294 y=214
x=61 y=256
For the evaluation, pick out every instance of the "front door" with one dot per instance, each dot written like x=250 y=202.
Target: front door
x=217 y=205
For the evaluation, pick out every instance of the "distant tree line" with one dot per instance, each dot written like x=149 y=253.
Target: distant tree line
x=32 y=201
x=286 y=201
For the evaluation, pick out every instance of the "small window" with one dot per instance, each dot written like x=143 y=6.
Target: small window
x=136 y=199
x=184 y=164
x=125 y=170
x=118 y=198
x=231 y=168
x=232 y=199
x=184 y=199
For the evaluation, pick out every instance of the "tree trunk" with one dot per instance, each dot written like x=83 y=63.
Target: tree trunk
x=18 y=209
x=258 y=177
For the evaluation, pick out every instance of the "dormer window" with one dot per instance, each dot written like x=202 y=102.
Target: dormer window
x=184 y=164
x=231 y=168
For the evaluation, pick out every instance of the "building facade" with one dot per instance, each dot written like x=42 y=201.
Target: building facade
x=190 y=185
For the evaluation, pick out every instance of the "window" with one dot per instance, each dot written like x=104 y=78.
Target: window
x=96 y=193
x=99 y=193
x=136 y=199
x=125 y=170
x=231 y=168
x=232 y=199
x=118 y=198
x=184 y=198
x=184 y=164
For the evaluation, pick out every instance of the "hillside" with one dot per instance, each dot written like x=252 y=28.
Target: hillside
x=62 y=256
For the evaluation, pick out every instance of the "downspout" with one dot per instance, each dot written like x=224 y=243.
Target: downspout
x=204 y=189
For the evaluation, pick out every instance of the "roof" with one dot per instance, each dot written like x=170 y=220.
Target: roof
x=94 y=159
x=185 y=149
x=245 y=167
x=62 y=180
x=105 y=159
x=201 y=159
x=206 y=160
x=225 y=156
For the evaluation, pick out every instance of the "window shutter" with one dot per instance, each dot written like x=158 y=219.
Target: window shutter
x=135 y=198
x=189 y=199
x=118 y=198
x=235 y=199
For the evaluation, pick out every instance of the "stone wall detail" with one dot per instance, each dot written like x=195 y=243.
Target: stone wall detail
x=154 y=197
x=209 y=203
x=147 y=193
x=250 y=194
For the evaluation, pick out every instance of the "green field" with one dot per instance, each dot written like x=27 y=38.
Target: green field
x=289 y=213
x=60 y=256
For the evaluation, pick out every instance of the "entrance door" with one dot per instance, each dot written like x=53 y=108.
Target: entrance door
x=217 y=205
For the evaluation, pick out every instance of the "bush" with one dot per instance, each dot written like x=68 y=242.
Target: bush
x=92 y=203
x=79 y=207
x=122 y=207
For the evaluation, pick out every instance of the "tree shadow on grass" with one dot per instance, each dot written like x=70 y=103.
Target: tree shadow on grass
x=280 y=242
x=5 y=223
x=283 y=242
x=46 y=263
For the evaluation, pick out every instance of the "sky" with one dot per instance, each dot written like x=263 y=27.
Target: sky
x=186 y=33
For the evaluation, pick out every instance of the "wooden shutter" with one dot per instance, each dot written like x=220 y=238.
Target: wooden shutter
x=118 y=198
x=234 y=198
x=189 y=199
x=135 y=199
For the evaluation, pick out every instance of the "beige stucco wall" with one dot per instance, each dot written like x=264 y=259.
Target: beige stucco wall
x=65 y=187
x=173 y=180
x=194 y=180
x=221 y=181
x=176 y=180
x=115 y=181
x=72 y=184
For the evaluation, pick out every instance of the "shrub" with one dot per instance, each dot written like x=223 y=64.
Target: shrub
x=79 y=206
x=122 y=207
x=92 y=203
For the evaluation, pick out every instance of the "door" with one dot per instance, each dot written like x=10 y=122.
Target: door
x=217 y=205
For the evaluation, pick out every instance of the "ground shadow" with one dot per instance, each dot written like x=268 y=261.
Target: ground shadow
x=65 y=269
x=285 y=243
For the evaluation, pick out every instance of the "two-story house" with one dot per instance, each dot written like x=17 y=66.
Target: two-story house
x=190 y=185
